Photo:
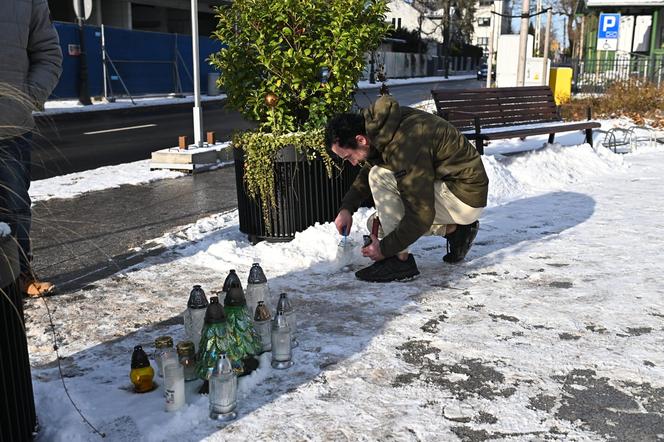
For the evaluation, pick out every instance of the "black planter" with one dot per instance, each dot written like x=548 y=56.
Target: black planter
x=304 y=195
x=18 y=418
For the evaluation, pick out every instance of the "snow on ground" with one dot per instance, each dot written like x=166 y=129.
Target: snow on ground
x=75 y=184
x=53 y=107
x=551 y=330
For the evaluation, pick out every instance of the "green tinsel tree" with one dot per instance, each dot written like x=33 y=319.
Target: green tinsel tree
x=243 y=340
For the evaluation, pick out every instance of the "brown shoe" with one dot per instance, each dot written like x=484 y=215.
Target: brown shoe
x=34 y=288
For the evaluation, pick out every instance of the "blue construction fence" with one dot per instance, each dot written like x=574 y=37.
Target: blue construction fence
x=147 y=62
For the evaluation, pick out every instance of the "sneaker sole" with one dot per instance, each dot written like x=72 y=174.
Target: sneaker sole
x=403 y=278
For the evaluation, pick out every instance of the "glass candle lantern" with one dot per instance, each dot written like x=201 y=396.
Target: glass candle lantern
x=282 y=351
x=232 y=280
x=223 y=390
x=173 y=381
x=163 y=344
x=187 y=358
x=194 y=316
x=257 y=288
x=263 y=325
x=285 y=305
x=141 y=373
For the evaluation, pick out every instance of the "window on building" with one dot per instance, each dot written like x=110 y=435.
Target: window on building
x=399 y=23
x=484 y=21
x=394 y=22
x=483 y=41
x=486 y=2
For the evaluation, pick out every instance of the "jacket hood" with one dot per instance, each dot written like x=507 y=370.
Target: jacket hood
x=382 y=120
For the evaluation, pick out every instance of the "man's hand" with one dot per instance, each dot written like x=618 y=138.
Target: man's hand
x=373 y=250
x=343 y=219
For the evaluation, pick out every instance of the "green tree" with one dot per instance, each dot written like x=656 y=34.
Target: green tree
x=304 y=57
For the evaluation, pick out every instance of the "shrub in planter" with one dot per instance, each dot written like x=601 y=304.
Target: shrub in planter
x=289 y=65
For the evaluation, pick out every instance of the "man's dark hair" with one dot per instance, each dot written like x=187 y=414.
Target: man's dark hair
x=342 y=129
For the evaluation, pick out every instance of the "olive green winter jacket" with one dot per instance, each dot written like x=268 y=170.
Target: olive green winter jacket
x=419 y=148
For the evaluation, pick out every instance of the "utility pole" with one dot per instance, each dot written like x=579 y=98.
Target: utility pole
x=564 y=34
x=582 y=37
x=198 y=113
x=538 y=32
x=489 y=62
x=523 y=43
x=545 y=63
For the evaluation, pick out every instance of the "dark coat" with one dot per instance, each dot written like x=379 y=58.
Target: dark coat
x=30 y=63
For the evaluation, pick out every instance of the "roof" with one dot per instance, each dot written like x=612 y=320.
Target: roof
x=595 y=3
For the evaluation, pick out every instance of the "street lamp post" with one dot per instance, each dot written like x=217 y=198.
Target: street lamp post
x=198 y=113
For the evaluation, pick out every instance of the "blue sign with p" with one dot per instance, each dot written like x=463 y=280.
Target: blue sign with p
x=609 y=25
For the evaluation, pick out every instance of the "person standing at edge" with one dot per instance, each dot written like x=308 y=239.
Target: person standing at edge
x=30 y=65
x=425 y=178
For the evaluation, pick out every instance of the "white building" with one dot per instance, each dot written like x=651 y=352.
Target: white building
x=403 y=14
x=483 y=23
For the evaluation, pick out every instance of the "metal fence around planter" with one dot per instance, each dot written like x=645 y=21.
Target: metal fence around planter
x=18 y=418
x=595 y=75
x=304 y=195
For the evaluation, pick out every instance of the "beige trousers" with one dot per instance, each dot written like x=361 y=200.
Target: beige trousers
x=449 y=208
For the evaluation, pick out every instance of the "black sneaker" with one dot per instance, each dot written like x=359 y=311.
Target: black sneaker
x=389 y=269
x=460 y=241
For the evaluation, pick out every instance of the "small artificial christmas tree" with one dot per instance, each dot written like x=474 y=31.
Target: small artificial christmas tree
x=215 y=340
x=244 y=341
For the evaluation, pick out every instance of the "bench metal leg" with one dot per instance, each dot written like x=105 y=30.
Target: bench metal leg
x=551 y=137
x=589 y=136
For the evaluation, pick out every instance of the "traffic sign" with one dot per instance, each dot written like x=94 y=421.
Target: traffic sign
x=607 y=32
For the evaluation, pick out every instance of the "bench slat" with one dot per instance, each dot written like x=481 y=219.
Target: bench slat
x=514 y=133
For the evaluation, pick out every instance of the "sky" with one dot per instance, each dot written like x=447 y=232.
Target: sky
x=558 y=306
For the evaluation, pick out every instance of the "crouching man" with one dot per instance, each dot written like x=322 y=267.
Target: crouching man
x=425 y=178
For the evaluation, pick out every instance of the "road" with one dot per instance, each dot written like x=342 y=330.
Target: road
x=75 y=142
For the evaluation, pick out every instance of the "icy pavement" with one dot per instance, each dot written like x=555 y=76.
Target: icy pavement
x=552 y=330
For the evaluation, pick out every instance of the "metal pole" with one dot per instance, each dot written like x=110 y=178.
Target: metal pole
x=103 y=62
x=545 y=62
x=83 y=92
x=198 y=113
x=582 y=41
x=538 y=33
x=523 y=43
x=446 y=42
x=489 y=62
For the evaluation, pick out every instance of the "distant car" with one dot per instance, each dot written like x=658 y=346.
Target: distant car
x=482 y=72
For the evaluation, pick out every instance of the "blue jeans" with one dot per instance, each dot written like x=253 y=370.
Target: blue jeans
x=15 y=165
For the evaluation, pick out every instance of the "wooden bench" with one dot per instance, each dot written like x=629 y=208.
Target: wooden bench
x=489 y=114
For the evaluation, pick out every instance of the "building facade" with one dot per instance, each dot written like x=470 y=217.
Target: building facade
x=172 y=16
x=641 y=31
x=405 y=13
x=485 y=22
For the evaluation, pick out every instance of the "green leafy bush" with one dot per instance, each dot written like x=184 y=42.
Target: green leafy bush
x=285 y=48
x=289 y=65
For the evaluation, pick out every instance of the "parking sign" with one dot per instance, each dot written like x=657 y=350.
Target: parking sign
x=607 y=33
